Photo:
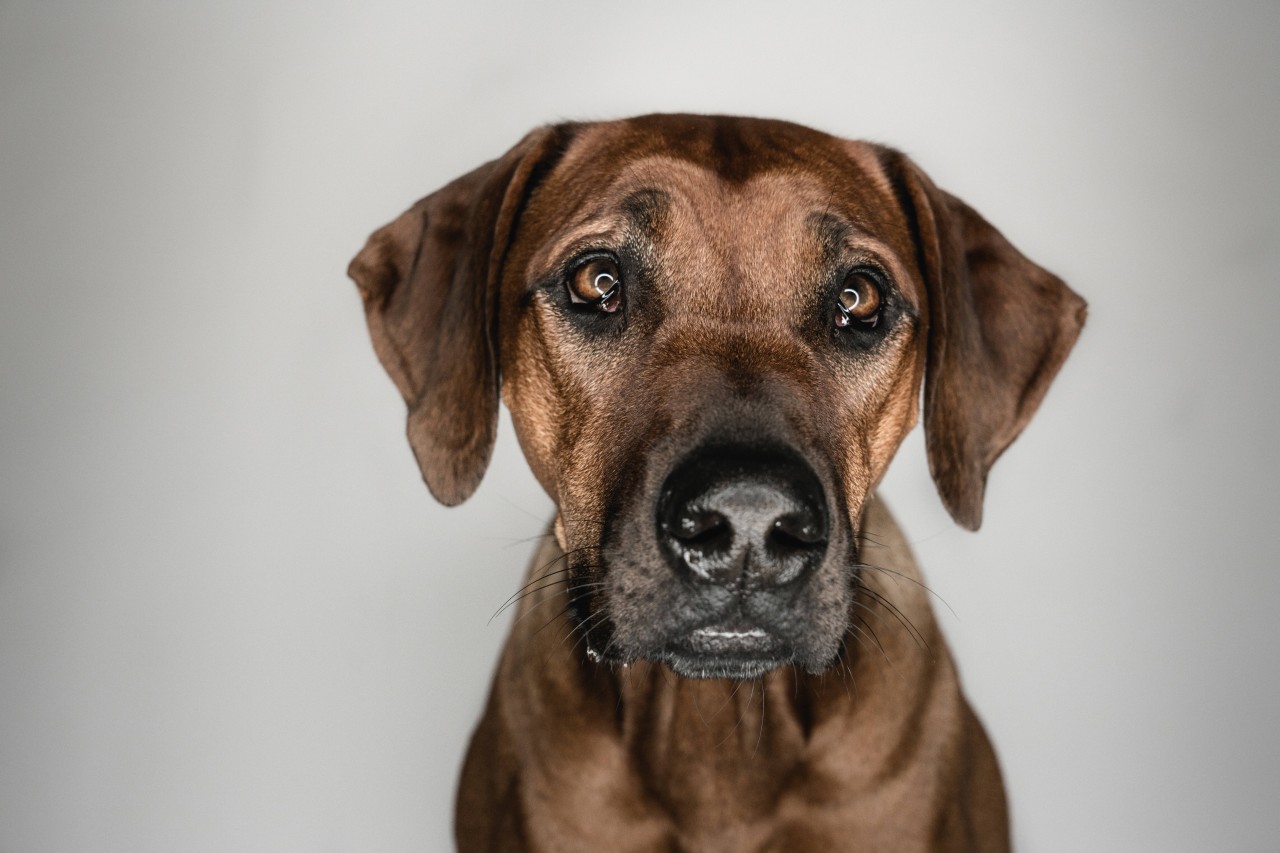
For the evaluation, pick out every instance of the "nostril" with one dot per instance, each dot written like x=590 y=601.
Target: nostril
x=704 y=529
x=797 y=532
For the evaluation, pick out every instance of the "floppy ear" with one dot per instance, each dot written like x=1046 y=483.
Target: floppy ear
x=999 y=327
x=430 y=283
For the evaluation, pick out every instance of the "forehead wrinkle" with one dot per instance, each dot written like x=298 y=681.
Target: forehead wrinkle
x=645 y=209
x=678 y=208
x=634 y=203
x=830 y=229
x=640 y=213
x=843 y=240
x=590 y=232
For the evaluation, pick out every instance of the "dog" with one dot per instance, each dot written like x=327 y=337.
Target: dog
x=712 y=334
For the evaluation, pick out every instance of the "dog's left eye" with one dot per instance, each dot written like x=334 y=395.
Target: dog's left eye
x=859 y=302
x=596 y=283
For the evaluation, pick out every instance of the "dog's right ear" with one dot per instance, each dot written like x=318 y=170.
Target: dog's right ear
x=999 y=328
x=430 y=283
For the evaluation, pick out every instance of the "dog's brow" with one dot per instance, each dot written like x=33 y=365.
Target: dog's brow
x=830 y=228
x=645 y=208
x=835 y=235
x=840 y=236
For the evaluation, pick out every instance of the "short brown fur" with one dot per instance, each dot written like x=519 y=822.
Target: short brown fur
x=731 y=226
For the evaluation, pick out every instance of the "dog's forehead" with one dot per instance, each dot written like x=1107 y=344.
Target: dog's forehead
x=734 y=148
x=730 y=156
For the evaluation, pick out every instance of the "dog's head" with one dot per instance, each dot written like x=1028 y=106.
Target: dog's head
x=712 y=334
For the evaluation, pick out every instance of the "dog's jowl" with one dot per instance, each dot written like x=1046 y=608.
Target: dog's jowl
x=712 y=334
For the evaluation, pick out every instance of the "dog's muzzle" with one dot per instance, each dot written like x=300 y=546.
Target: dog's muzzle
x=743 y=530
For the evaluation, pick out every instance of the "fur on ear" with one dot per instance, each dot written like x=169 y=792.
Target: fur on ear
x=430 y=283
x=999 y=328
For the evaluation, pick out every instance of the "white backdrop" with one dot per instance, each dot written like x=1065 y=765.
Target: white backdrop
x=231 y=618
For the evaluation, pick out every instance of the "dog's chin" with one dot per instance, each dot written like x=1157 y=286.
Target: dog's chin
x=740 y=654
x=736 y=668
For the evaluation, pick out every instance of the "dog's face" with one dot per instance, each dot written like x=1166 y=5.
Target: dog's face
x=713 y=358
x=712 y=335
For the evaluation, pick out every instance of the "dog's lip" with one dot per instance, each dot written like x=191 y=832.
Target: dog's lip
x=735 y=639
x=735 y=650
x=730 y=633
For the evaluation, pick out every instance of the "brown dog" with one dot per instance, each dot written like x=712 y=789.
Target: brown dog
x=712 y=335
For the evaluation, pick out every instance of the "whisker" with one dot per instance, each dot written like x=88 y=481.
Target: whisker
x=550 y=599
x=604 y=653
x=564 y=611
x=850 y=683
x=541 y=519
x=726 y=701
x=547 y=581
x=525 y=540
x=538 y=574
x=867 y=536
x=568 y=608
x=869 y=630
x=586 y=626
x=542 y=573
x=550 y=579
x=760 y=734
x=897 y=575
x=900 y=616
x=738 y=723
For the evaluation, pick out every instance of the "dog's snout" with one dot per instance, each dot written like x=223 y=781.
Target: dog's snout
x=743 y=518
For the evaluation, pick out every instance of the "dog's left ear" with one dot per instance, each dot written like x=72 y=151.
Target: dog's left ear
x=999 y=327
x=430 y=284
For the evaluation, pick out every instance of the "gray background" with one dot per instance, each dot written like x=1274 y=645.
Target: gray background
x=231 y=618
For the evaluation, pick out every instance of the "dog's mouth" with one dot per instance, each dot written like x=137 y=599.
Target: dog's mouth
x=734 y=650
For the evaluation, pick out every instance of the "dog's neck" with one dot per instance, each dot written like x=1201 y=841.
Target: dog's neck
x=713 y=753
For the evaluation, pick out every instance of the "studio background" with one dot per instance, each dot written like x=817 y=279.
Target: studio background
x=231 y=617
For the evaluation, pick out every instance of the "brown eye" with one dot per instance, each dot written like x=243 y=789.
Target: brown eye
x=859 y=301
x=597 y=283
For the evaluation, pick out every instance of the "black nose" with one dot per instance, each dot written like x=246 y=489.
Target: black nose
x=752 y=518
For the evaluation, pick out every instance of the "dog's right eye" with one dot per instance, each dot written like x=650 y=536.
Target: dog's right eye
x=596 y=283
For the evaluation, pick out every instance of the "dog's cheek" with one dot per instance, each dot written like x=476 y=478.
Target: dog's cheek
x=894 y=418
x=820 y=618
x=638 y=584
x=633 y=603
x=606 y=460
x=880 y=405
x=536 y=411
x=599 y=531
x=559 y=410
